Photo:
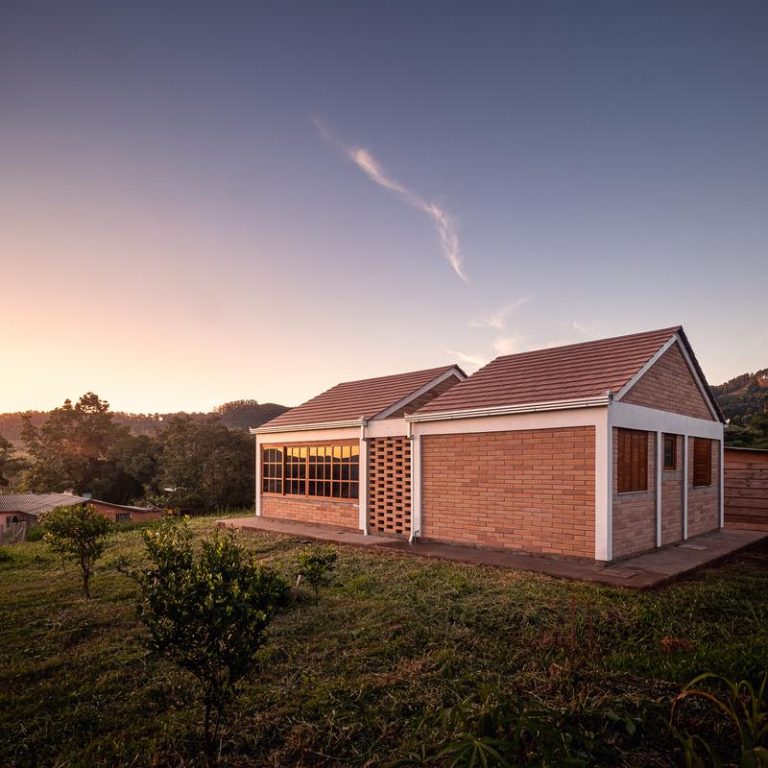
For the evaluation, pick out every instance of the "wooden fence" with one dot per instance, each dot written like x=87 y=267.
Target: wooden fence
x=746 y=488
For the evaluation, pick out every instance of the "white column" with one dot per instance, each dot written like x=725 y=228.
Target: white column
x=685 y=486
x=362 y=519
x=721 y=473
x=415 y=486
x=604 y=486
x=258 y=477
x=659 y=465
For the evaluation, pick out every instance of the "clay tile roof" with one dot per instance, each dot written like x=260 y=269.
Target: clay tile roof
x=352 y=400
x=552 y=375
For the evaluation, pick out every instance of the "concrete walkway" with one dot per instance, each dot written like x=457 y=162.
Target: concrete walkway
x=642 y=572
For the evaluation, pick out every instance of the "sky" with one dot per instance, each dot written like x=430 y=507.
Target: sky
x=202 y=202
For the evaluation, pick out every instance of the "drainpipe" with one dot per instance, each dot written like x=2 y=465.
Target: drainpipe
x=415 y=483
x=362 y=519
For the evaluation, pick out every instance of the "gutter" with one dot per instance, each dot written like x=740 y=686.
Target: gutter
x=306 y=427
x=505 y=410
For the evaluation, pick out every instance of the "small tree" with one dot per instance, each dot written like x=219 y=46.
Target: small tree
x=77 y=533
x=315 y=565
x=206 y=612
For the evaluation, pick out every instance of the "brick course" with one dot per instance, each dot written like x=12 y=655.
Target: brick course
x=670 y=386
x=704 y=501
x=672 y=498
x=530 y=490
x=343 y=514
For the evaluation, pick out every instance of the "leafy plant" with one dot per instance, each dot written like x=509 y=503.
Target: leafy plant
x=743 y=707
x=206 y=612
x=315 y=565
x=77 y=533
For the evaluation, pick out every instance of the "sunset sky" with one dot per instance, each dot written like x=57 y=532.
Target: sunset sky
x=201 y=202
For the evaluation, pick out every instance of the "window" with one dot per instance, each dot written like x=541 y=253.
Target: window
x=670 y=452
x=122 y=517
x=632 y=467
x=702 y=461
x=272 y=470
x=332 y=471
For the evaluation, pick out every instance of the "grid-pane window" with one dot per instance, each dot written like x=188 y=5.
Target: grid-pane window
x=331 y=471
x=632 y=465
x=702 y=461
x=670 y=452
x=272 y=470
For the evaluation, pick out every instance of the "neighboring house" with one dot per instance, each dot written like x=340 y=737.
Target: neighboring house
x=598 y=450
x=21 y=511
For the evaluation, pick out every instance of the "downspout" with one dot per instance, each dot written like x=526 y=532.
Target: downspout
x=415 y=483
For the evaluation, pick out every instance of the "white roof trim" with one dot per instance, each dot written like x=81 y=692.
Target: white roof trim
x=305 y=427
x=675 y=339
x=454 y=371
x=505 y=410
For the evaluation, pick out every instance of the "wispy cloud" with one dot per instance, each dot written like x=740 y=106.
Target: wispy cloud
x=592 y=329
x=443 y=222
x=498 y=319
x=508 y=345
x=468 y=358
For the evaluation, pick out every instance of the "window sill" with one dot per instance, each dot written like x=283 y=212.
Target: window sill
x=298 y=497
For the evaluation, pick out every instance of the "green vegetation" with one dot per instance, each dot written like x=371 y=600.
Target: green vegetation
x=208 y=612
x=744 y=401
x=77 y=534
x=401 y=661
x=316 y=564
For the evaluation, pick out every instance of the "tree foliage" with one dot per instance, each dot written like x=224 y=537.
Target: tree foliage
x=77 y=533
x=206 y=612
x=315 y=566
x=9 y=462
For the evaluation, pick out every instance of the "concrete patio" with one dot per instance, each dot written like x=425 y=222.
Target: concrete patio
x=641 y=572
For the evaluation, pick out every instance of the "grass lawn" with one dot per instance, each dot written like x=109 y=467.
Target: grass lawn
x=375 y=669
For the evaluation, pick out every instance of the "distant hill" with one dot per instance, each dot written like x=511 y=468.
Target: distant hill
x=240 y=414
x=744 y=400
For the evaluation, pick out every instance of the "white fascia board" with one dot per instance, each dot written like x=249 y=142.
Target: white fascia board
x=286 y=428
x=641 y=417
x=510 y=410
x=675 y=339
x=419 y=392
x=387 y=428
x=309 y=436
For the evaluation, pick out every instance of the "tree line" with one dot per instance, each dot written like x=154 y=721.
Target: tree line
x=193 y=463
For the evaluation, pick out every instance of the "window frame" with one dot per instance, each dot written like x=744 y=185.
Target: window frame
x=334 y=474
x=701 y=476
x=631 y=478
x=669 y=438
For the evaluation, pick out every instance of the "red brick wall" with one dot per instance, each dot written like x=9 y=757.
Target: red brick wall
x=704 y=501
x=670 y=386
x=672 y=498
x=343 y=514
x=427 y=397
x=136 y=516
x=634 y=513
x=746 y=489
x=531 y=490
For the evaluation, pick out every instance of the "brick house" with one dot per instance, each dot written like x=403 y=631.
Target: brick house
x=599 y=450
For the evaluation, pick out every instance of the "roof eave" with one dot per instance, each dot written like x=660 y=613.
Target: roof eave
x=511 y=410
x=267 y=430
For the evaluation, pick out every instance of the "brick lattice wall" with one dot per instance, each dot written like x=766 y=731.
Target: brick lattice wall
x=343 y=514
x=670 y=386
x=531 y=490
x=389 y=485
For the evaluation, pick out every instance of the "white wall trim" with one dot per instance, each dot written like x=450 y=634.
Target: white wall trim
x=632 y=416
x=286 y=428
x=311 y=436
x=721 y=467
x=362 y=486
x=387 y=428
x=415 y=486
x=420 y=391
x=577 y=417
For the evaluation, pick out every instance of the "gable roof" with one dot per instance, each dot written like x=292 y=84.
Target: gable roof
x=589 y=373
x=37 y=503
x=352 y=401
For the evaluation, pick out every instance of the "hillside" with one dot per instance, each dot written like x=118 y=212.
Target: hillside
x=744 y=400
x=240 y=414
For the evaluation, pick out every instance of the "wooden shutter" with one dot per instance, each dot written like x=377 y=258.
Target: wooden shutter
x=632 y=465
x=702 y=461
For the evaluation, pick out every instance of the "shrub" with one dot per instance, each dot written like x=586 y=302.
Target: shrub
x=34 y=534
x=315 y=565
x=206 y=612
x=77 y=533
